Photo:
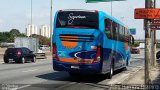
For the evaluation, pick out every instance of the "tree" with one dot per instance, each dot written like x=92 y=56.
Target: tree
x=10 y=36
x=15 y=32
x=42 y=40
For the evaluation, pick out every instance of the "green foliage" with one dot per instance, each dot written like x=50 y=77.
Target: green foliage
x=158 y=45
x=10 y=36
x=42 y=40
x=14 y=32
x=136 y=44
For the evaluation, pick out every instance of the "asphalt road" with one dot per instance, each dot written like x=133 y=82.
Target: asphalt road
x=40 y=76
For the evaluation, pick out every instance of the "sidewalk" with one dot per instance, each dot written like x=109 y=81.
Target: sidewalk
x=137 y=79
x=1 y=58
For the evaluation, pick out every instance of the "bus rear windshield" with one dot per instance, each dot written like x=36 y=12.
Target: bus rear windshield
x=77 y=19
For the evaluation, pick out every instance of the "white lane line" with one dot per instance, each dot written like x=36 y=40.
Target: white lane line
x=30 y=70
x=23 y=87
x=38 y=62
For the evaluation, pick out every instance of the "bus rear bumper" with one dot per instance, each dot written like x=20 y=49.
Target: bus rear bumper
x=77 y=68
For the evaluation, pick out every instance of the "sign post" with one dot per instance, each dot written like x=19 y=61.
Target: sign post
x=148 y=13
x=147 y=42
x=155 y=24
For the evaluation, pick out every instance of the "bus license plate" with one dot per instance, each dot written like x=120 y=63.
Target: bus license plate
x=75 y=67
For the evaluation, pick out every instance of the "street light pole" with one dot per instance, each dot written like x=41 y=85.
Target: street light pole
x=31 y=12
x=111 y=7
x=51 y=26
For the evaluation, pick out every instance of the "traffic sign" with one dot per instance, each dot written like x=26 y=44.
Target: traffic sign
x=132 y=31
x=155 y=21
x=147 y=13
x=155 y=27
x=155 y=24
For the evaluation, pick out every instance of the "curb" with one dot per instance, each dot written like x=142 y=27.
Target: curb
x=1 y=62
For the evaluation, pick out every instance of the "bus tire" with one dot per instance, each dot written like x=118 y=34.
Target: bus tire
x=111 y=70
x=127 y=62
x=73 y=74
x=6 y=61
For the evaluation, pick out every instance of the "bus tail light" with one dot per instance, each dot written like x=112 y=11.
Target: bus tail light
x=55 y=57
x=98 y=55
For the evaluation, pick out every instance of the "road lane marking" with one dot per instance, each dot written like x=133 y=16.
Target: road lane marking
x=23 y=87
x=30 y=70
x=38 y=62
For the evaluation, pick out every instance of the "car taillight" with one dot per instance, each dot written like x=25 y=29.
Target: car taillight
x=55 y=57
x=98 y=55
x=19 y=53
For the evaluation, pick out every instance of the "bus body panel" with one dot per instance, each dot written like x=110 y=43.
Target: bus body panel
x=73 y=54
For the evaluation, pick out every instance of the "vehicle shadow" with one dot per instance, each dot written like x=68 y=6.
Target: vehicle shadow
x=64 y=76
x=68 y=82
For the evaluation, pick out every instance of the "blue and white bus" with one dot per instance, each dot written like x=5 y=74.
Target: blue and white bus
x=89 y=42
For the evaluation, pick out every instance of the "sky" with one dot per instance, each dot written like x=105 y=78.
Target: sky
x=17 y=13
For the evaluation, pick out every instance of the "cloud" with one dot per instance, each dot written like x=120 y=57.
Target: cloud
x=38 y=14
x=1 y=21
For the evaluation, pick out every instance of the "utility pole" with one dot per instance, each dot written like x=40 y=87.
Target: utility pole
x=31 y=12
x=147 y=22
x=31 y=18
x=51 y=26
x=153 y=44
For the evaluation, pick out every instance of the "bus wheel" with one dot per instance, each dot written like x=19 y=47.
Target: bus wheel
x=73 y=74
x=111 y=71
x=127 y=62
x=6 y=61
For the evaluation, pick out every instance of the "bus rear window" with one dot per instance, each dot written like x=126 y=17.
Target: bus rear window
x=77 y=19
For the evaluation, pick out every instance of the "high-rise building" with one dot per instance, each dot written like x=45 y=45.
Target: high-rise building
x=31 y=29
x=45 y=31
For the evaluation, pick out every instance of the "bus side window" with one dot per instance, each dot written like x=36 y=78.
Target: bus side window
x=115 y=30
x=108 y=28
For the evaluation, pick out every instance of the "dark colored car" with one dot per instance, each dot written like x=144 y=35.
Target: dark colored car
x=158 y=55
x=19 y=55
x=135 y=50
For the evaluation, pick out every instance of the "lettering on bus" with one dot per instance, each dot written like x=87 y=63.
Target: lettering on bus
x=71 y=18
